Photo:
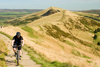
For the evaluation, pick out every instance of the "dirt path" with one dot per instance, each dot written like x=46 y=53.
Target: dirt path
x=10 y=59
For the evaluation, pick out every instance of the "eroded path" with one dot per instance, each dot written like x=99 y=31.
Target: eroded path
x=10 y=59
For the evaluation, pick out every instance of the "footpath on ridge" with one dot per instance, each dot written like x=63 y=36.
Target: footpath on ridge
x=11 y=60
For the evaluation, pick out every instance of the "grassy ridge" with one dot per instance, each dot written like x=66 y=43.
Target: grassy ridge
x=3 y=52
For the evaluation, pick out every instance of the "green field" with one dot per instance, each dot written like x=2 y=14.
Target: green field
x=12 y=14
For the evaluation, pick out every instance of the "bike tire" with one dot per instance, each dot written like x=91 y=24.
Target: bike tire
x=18 y=57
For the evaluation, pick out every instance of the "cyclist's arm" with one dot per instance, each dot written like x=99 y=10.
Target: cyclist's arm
x=12 y=42
x=22 y=42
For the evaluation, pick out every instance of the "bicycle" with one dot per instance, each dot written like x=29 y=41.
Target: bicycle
x=17 y=55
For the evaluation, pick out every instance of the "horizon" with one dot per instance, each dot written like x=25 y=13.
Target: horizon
x=44 y=4
x=48 y=7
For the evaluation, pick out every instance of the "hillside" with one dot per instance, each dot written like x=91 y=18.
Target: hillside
x=89 y=15
x=29 y=18
x=59 y=35
x=9 y=14
x=92 y=11
x=3 y=52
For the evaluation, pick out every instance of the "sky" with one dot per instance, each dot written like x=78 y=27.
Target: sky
x=44 y=4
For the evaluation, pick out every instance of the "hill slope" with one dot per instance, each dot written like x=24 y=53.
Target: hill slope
x=9 y=14
x=62 y=36
x=92 y=11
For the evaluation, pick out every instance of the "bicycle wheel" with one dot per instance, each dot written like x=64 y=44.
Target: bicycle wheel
x=17 y=57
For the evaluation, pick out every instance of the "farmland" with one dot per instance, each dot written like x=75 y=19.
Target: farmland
x=9 y=14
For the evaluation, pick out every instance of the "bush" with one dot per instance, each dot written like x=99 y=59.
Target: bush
x=95 y=31
x=98 y=43
x=95 y=37
x=98 y=29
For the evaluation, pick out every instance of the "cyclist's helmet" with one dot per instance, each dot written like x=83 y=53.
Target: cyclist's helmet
x=18 y=34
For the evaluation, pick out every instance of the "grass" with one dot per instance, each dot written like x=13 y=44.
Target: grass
x=21 y=66
x=40 y=28
x=9 y=15
x=85 y=23
x=98 y=37
x=32 y=33
x=32 y=18
x=92 y=11
x=13 y=13
x=69 y=43
x=1 y=20
x=89 y=20
x=6 y=35
x=95 y=43
x=89 y=61
x=86 y=57
x=89 y=15
x=40 y=59
x=3 y=52
x=77 y=53
x=58 y=33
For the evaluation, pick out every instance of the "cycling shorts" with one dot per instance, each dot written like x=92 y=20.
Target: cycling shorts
x=15 y=45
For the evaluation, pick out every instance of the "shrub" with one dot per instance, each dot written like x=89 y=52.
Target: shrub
x=98 y=43
x=95 y=37
x=98 y=29
x=95 y=31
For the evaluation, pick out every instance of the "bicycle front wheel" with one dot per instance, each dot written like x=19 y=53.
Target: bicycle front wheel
x=17 y=57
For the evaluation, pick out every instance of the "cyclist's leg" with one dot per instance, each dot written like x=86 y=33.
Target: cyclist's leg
x=19 y=48
x=14 y=48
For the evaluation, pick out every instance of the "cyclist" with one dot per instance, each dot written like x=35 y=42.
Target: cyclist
x=17 y=40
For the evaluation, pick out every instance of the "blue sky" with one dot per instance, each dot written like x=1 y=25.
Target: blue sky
x=44 y=4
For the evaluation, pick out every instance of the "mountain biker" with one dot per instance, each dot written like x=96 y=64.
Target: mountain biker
x=17 y=40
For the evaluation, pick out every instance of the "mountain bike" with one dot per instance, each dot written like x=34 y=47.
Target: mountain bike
x=17 y=55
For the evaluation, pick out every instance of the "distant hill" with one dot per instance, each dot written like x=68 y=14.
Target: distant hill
x=33 y=16
x=92 y=11
x=20 y=10
x=92 y=14
x=9 y=14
